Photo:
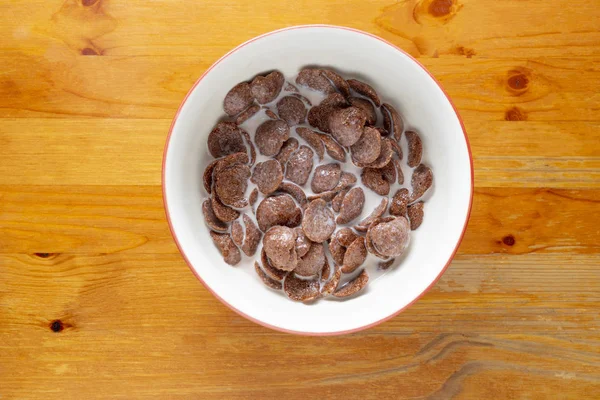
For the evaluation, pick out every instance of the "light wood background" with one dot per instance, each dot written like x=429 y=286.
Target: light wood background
x=87 y=92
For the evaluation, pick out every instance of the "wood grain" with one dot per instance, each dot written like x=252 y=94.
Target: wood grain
x=448 y=27
x=113 y=219
x=96 y=302
x=527 y=319
x=550 y=89
x=533 y=154
x=84 y=219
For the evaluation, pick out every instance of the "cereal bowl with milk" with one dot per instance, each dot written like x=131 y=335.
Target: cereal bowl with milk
x=317 y=180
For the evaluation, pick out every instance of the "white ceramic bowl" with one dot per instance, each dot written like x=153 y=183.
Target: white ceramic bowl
x=399 y=80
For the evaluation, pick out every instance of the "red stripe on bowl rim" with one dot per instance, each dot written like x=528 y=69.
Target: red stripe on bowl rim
x=276 y=328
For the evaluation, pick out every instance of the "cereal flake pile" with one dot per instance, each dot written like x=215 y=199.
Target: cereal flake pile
x=302 y=230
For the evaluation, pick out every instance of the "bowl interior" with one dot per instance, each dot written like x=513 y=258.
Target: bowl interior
x=400 y=81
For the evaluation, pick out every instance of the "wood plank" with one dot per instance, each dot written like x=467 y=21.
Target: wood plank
x=531 y=139
x=77 y=151
x=529 y=294
x=82 y=151
x=87 y=92
x=522 y=221
x=130 y=219
x=83 y=219
x=480 y=28
x=550 y=89
x=530 y=318
x=552 y=172
x=210 y=28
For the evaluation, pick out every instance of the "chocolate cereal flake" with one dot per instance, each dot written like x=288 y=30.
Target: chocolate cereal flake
x=314 y=79
x=415 y=215
x=399 y=203
x=278 y=210
x=269 y=113
x=253 y=236
x=421 y=181
x=231 y=183
x=238 y=99
x=333 y=148
x=290 y=88
x=270 y=270
x=301 y=289
x=251 y=146
x=346 y=236
x=367 y=107
x=336 y=203
x=399 y=172
x=337 y=81
x=347 y=180
x=361 y=228
x=326 y=196
x=319 y=222
x=270 y=136
x=247 y=114
x=376 y=213
x=319 y=116
x=273 y=284
x=231 y=159
x=302 y=242
x=373 y=179
x=312 y=262
x=392 y=121
x=337 y=250
x=389 y=238
x=266 y=88
x=289 y=146
x=364 y=90
x=396 y=148
x=368 y=242
x=333 y=283
x=368 y=147
x=352 y=206
x=279 y=244
x=207 y=178
x=300 y=165
x=326 y=177
x=211 y=219
x=384 y=265
x=389 y=172
x=225 y=138
x=231 y=254
x=267 y=176
x=292 y=110
x=237 y=233
x=415 y=148
x=253 y=197
x=223 y=212
x=325 y=271
x=354 y=286
x=347 y=125
x=295 y=191
x=313 y=140
x=385 y=155
x=355 y=256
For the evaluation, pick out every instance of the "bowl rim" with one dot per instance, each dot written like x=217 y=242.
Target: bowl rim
x=189 y=264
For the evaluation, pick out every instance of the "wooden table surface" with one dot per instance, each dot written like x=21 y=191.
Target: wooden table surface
x=96 y=302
